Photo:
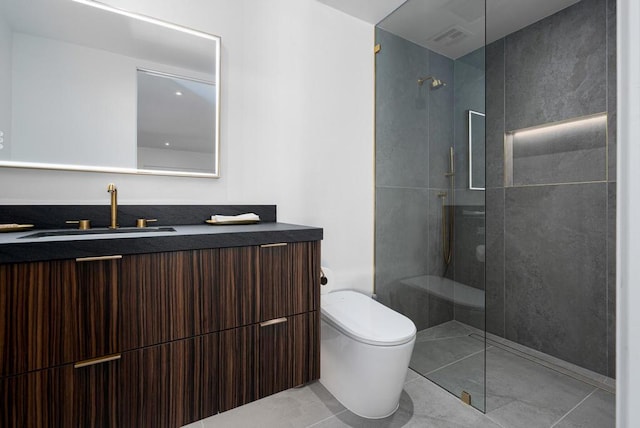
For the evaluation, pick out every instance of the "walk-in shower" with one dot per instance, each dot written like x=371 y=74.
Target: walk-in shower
x=495 y=222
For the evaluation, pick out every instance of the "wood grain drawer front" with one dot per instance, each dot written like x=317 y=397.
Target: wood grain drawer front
x=52 y=313
x=287 y=354
x=237 y=282
x=289 y=279
x=170 y=385
x=160 y=298
x=62 y=397
x=237 y=367
x=98 y=284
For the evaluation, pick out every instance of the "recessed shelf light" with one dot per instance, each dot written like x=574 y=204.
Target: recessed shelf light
x=167 y=144
x=178 y=93
x=562 y=126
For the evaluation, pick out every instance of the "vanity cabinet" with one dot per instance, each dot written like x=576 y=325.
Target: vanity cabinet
x=266 y=358
x=281 y=349
x=158 y=339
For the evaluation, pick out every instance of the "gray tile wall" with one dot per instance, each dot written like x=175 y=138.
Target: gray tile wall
x=551 y=237
x=414 y=129
x=468 y=268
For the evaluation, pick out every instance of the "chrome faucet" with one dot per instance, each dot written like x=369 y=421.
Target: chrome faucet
x=111 y=188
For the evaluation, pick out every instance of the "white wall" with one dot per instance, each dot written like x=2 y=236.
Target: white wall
x=296 y=127
x=628 y=286
x=5 y=89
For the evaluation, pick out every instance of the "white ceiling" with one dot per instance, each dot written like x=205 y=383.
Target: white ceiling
x=420 y=21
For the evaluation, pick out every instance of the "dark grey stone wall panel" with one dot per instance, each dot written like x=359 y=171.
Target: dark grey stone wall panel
x=555 y=271
x=494 y=120
x=436 y=265
x=556 y=67
x=402 y=234
x=559 y=68
x=402 y=149
x=612 y=86
x=469 y=235
x=414 y=129
x=494 y=261
x=611 y=278
x=440 y=120
x=469 y=94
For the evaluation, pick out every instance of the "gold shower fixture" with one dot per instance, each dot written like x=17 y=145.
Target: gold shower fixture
x=435 y=83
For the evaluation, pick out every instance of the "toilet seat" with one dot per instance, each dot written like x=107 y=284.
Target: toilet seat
x=366 y=320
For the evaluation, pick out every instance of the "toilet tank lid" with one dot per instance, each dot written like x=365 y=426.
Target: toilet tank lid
x=365 y=319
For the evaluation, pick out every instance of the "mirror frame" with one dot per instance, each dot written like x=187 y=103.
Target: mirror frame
x=135 y=171
x=470 y=115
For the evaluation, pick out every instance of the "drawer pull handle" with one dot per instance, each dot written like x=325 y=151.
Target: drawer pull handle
x=279 y=244
x=98 y=258
x=273 y=322
x=95 y=361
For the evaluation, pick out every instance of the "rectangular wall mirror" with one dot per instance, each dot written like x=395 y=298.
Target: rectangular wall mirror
x=476 y=150
x=89 y=87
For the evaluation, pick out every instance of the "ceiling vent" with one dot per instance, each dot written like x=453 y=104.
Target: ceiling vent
x=450 y=36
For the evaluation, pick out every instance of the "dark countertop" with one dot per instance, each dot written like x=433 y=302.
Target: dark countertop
x=15 y=248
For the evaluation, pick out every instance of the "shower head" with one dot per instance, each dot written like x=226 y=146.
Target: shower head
x=435 y=83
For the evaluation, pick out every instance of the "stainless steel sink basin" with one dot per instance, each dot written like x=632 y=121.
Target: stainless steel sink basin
x=99 y=231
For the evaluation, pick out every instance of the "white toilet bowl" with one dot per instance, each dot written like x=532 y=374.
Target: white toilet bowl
x=364 y=353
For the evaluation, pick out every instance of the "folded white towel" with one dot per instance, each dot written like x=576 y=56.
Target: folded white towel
x=235 y=218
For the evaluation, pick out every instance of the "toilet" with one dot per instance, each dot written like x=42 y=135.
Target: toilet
x=364 y=353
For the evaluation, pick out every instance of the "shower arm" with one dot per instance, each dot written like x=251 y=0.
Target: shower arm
x=421 y=80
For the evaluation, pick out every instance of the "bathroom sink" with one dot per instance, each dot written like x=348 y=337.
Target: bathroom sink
x=99 y=231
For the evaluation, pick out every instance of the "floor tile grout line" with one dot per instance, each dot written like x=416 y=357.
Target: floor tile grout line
x=455 y=362
x=327 y=418
x=552 y=366
x=493 y=420
x=575 y=407
x=418 y=340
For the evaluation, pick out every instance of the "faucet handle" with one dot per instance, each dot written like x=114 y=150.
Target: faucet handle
x=142 y=222
x=82 y=224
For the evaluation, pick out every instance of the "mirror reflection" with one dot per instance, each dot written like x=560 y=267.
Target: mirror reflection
x=71 y=95
x=175 y=129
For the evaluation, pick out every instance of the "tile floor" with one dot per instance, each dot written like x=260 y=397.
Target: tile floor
x=520 y=393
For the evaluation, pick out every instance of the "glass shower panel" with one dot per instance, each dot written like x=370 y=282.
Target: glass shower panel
x=430 y=214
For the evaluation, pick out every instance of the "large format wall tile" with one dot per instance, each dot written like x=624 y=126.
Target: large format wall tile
x=436 y=247
x=469 y=95
x=611 y=278
x=440 y=120
x=494 y=120
x=555 y=271
x=402 y=234
x=414 y=129
x=611 y=86
x=556 y=67
x=403 y=241
x=402 y=146
x=559 y=68
x=494 y=261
